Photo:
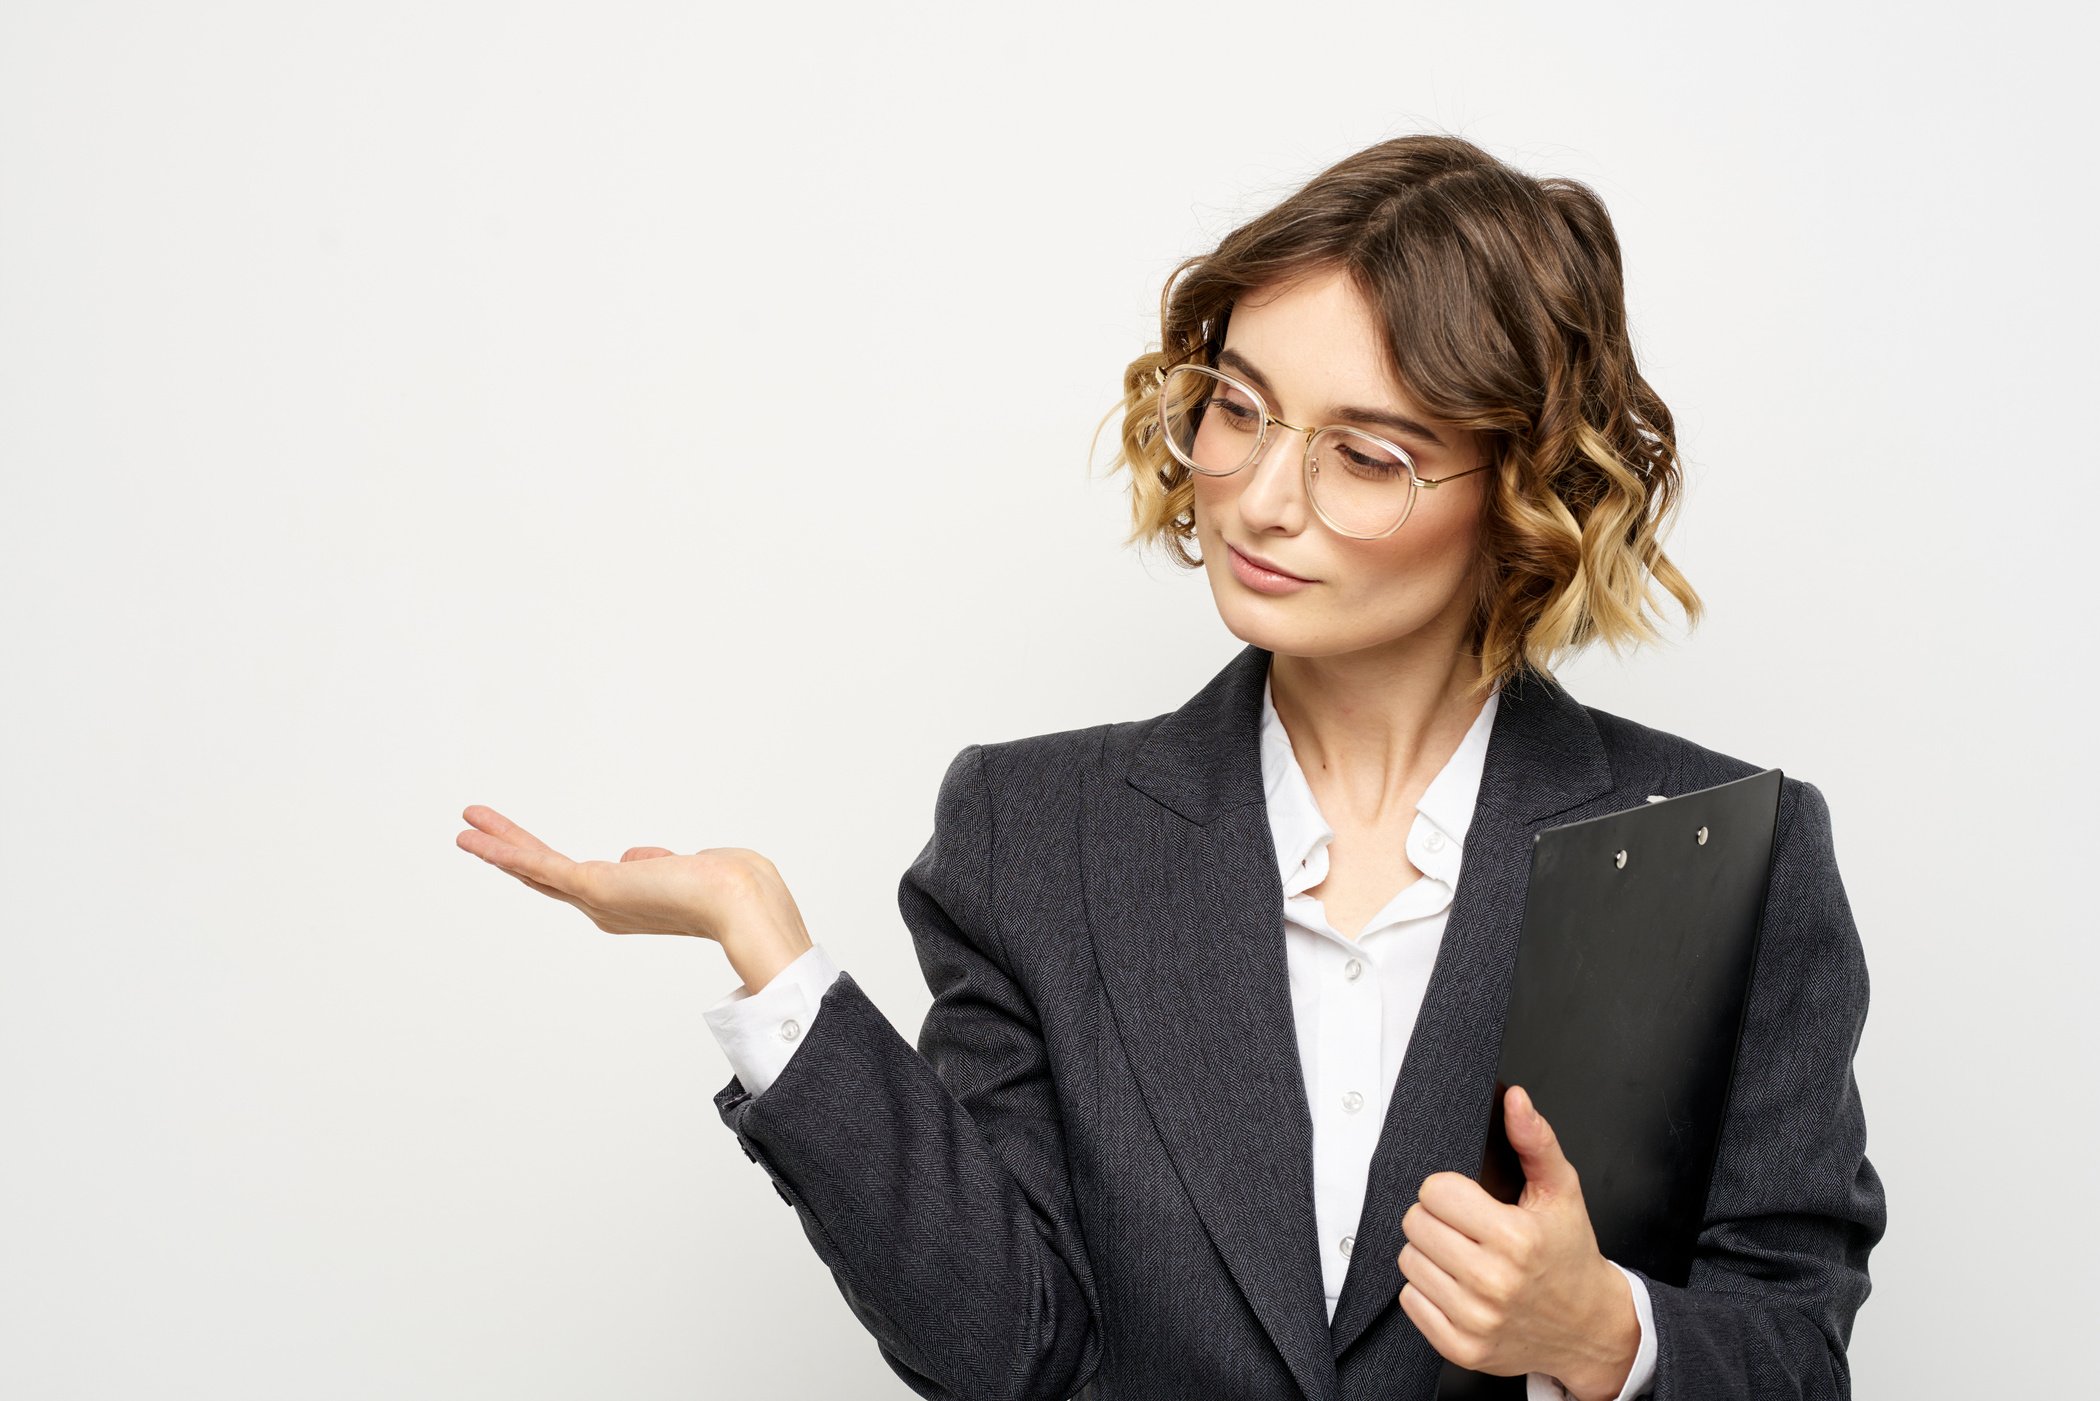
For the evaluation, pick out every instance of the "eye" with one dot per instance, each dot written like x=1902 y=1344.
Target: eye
x=1235 y=413
x=1368 y=461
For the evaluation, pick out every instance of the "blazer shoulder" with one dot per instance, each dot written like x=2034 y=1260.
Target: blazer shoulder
x=1677 y=765
x=1681 y=765
x=1041 y=760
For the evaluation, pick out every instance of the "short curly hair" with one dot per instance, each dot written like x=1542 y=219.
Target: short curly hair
x=1503 y=303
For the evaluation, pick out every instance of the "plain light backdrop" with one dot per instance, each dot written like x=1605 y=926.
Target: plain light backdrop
x=668 y=425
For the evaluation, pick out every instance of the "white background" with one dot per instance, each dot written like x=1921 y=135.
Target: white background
x=395 y=409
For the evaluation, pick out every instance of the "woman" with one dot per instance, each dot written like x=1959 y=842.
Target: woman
x=1218 y=994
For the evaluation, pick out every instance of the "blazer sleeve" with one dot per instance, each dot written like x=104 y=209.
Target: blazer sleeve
x=1794 y=1206
x=933 y=1182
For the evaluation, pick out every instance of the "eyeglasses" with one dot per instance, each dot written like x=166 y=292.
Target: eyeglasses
x=1362 y=485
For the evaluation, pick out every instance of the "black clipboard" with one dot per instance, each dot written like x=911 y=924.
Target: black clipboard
x=1633 y=970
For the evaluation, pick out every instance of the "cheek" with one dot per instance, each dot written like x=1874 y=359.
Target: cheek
x=1434 y=547
x=1213 y=504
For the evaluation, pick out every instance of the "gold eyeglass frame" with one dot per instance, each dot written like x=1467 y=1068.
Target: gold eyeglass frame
x=1415 y=480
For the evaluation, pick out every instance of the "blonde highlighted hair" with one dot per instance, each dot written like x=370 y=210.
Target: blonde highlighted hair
x=1503 y=304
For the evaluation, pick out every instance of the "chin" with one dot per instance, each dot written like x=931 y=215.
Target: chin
x=1249 y=626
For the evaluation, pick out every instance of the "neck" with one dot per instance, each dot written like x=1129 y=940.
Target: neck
x=1372 y=728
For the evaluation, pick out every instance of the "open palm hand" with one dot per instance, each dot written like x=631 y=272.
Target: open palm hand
x=649 y=890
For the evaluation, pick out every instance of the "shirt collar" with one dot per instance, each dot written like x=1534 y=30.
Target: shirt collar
x=1302 y=832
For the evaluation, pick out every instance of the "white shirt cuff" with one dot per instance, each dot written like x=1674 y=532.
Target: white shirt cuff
x=760 y=1031
x=1540 y=1387
x=1643 y=1373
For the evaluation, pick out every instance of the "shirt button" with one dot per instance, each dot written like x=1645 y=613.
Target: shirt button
x=1435 y=842
x=1353 y=969
x=790 y=1029
x=1348 y=1243
x=1352 y=1101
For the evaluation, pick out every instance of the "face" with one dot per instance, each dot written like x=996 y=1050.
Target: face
x=1316 y=343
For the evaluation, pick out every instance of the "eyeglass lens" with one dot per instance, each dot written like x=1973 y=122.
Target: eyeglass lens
x=1214 y=426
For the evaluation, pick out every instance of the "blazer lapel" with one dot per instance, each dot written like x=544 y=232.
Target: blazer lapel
x=1187 y=918
x=1544 y=759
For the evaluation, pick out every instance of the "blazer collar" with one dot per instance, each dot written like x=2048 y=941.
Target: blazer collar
x=1186 y=914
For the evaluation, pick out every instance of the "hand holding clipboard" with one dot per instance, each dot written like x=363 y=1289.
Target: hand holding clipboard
x=1633 y=970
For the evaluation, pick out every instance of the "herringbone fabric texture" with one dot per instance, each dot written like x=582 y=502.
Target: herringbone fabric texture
x=1092 y=1176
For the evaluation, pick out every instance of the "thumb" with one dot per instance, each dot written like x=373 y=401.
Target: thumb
x=1547 y=1170
x=644 y=853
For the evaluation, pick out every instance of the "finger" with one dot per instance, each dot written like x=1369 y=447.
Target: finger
x=497 y=825
x=1451 y=1298
x=1434 y=1323
x=548 y=890
x=545 y=866
x=1464 y=1205
x=523 y=879
x=1448 y=1248
x=1546 y=1168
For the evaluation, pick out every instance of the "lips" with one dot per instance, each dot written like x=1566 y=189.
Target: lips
x=1256 y=559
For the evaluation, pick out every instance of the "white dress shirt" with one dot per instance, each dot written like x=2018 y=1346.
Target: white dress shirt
x=1354 y=1001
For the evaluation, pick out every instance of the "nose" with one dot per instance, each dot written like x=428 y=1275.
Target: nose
x=1275 y=487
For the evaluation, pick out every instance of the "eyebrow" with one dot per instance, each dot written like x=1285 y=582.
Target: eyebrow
x=1385 y=418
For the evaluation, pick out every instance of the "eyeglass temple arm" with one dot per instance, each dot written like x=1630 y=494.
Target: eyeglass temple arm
x=1454 y=476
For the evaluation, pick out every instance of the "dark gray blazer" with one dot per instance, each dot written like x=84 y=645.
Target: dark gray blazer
x=1094 y=1174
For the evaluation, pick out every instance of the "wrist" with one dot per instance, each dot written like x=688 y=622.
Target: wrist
x=762 y=931
x=1613 y=1342
x=759 y=954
